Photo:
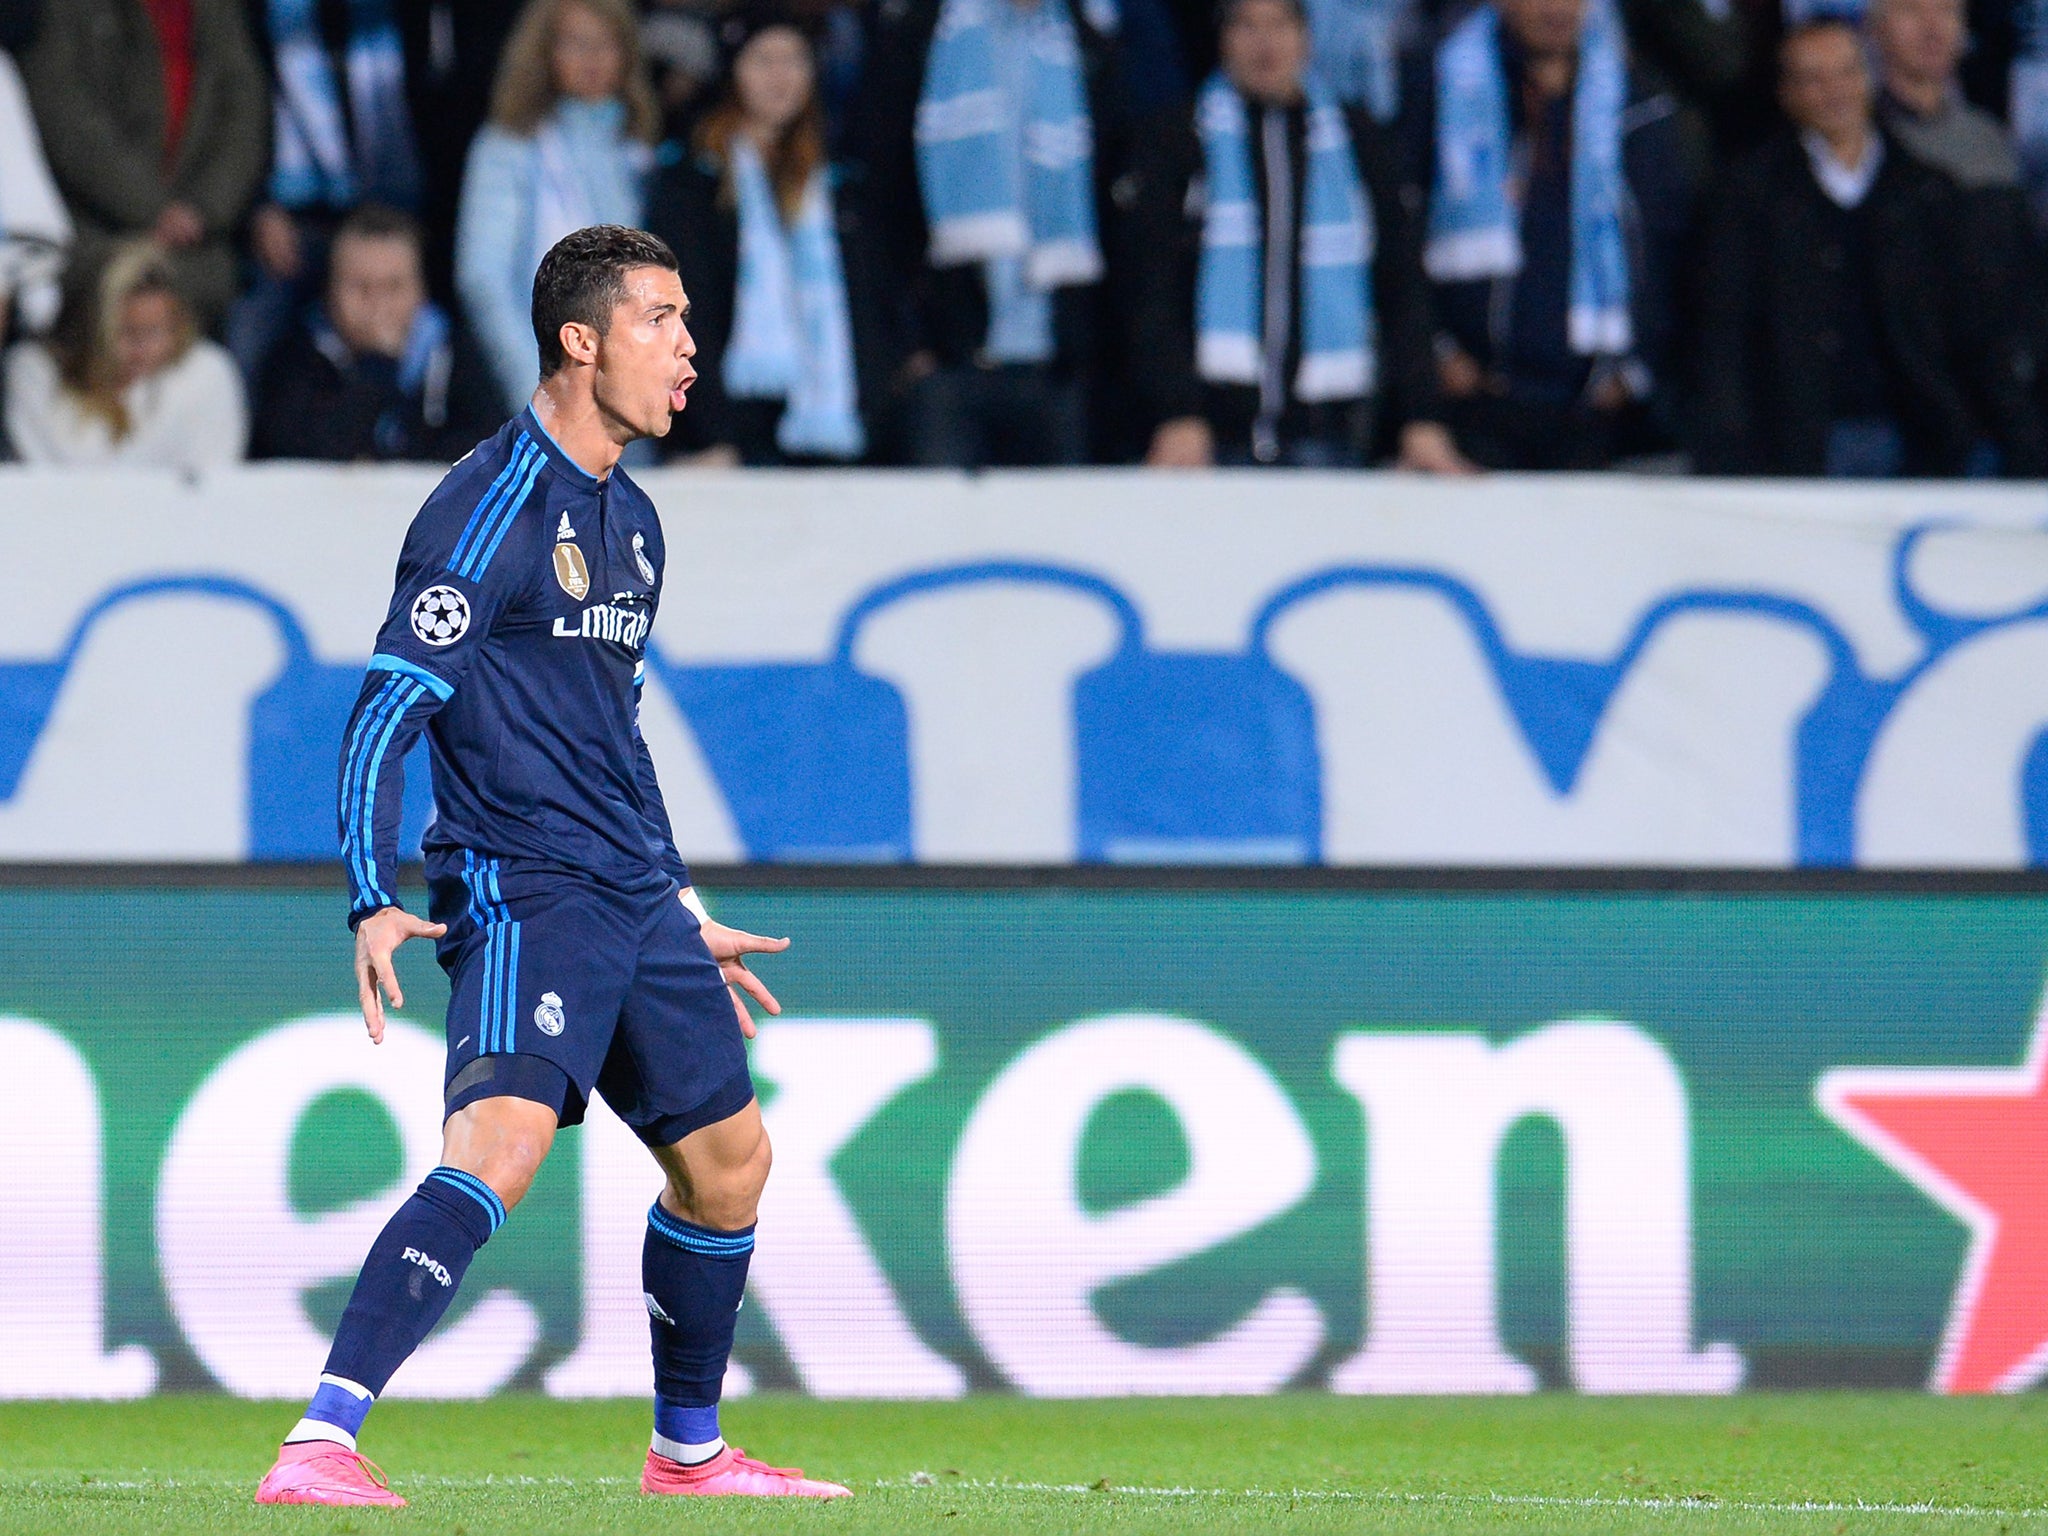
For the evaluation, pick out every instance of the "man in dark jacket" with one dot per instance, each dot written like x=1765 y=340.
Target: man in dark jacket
x=376 y=372
x=1003 y=334
x=1846 y=328
x=156 y=120
x=1553 y=302
x=1234 y=369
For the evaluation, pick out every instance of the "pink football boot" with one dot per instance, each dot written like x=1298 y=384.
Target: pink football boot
x=733 y=1471
x=321 y=1472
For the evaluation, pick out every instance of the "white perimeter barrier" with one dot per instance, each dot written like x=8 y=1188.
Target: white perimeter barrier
x=1112 y=666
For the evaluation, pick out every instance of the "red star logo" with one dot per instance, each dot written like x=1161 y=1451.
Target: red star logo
x=1975 y=1140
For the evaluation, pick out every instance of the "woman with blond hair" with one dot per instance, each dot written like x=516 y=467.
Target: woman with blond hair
x=569 y=144
x=775 y=257
x=125 y=377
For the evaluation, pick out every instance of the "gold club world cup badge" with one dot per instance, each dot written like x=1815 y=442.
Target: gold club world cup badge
x=570 y=571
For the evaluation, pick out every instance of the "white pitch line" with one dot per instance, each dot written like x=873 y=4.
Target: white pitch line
x=1536 y=1500
x=1328 y=1495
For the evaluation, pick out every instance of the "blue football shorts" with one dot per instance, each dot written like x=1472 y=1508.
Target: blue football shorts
x=562 y=985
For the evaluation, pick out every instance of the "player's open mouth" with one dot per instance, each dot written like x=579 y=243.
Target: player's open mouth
x=675 y=395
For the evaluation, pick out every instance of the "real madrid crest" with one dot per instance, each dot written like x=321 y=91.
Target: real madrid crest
x=549 y=1017
x=570 y=571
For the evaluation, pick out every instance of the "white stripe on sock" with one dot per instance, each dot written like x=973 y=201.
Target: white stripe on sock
x=354 y=1388
x=688 y=1455
x=315 y=1429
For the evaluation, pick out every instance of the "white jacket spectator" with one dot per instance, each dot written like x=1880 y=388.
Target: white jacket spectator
x=567 y=146
x=34 y=228
x=126 y=379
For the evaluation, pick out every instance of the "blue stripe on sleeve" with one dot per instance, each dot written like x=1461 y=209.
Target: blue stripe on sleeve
x=365 y=728
x=348 y=768
x=504 y=499
x=392 y=705
x=479 y=563
x=383 y=662
x=513 y=467
x=411 y=695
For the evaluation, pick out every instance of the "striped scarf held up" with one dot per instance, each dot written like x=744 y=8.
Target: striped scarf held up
x=1339 y=359
x=1473 y=222
x=792 y=338
x=1005 y=145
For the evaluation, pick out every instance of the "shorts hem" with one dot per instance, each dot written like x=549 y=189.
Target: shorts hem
x=515 y=1075
x=732 y=1096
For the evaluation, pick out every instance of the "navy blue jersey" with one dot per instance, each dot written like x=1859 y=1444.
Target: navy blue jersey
x=515 y=637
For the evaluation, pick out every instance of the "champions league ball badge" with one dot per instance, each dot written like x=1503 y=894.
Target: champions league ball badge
x=640 y=558
x=440 y=615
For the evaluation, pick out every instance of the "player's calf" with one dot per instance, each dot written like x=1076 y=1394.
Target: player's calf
x=406 y=1284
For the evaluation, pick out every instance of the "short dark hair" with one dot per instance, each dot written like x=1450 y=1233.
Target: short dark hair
x=583 y=278
x=1815 y=25
x=379 y=221
x=1226 y=11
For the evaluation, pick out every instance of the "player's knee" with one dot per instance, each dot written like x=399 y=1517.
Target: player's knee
x=511 y=1166
x=729 y=1198
x=502 y=1141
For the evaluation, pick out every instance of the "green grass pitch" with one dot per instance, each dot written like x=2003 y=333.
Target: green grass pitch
x=1825 y=1462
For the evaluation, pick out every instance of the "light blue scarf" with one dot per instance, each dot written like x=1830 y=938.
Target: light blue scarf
x=791 y=338
x=1008 y=172
x=1472 y=220
x=1357 y=45
x=1338 y=360
x=314 y=160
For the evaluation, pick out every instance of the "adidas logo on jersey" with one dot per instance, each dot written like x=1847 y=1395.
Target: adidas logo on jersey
x=563 y=530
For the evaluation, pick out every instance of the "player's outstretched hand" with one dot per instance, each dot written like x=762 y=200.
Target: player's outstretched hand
x=377 y=939
x=730 y=948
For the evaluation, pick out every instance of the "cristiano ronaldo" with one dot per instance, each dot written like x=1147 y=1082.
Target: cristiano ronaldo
x=579 y=957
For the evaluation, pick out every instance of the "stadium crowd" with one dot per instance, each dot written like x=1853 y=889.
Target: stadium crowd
x=1735 y=236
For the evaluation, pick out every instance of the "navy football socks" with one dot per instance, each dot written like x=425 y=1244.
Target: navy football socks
x=411 y=1275
x=693 y=1277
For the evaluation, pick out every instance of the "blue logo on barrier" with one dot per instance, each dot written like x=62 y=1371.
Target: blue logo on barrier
x=1180 y=756
x=294 y=726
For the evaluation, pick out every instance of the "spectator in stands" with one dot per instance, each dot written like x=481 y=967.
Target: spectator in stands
x=126 y=378
x=568 y=144
x=376 y=371
x=19 y=20
x=1356 y=47
x=998 y=254
x=1840 y=332
x=343 y=136
x=1283 y=289
x=681 y=41
x=156 y=119
x=1920 y=44
x=452 y=52
x=1919 y=48
x=1706 y=51
x=1557 y=201
x=774 y=260
x=35 y=230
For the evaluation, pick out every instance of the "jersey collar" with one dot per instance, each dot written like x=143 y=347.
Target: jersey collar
x=558 y=456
